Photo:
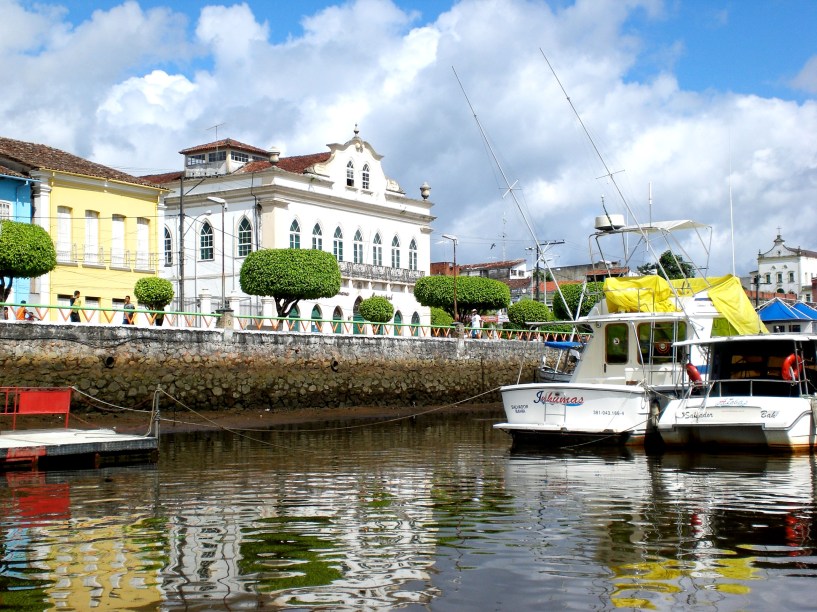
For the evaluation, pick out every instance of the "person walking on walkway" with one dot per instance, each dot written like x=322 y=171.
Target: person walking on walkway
x=476 y=323
x=128 y=314
x=75 y=304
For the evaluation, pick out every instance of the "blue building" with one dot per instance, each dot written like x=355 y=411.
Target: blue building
x=15 y=204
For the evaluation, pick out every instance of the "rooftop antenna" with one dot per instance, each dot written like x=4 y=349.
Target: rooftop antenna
x=215 y=127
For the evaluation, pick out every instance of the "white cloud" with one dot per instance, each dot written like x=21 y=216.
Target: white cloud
x=131 y=87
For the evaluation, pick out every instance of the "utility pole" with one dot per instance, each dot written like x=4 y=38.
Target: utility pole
x=538 y=257
x=181 y=243
x=539 y=252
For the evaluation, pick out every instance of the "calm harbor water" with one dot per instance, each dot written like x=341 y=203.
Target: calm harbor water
x=435 y=513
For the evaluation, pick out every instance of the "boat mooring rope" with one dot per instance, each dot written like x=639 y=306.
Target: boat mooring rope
x=215 y=425
x=339 y=428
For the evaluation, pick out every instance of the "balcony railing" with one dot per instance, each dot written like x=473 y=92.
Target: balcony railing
x=107 y=258
x=379 y=273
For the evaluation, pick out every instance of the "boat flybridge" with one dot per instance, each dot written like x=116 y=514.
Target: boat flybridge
x=636 y=358
x=761 y=392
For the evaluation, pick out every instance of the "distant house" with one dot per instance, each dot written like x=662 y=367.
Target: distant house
x=103 y=223
x=339 y=201
x=782 y=317
x=497 y=270
x=785 y=270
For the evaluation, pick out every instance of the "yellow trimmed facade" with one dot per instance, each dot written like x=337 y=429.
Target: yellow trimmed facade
x=105 y=233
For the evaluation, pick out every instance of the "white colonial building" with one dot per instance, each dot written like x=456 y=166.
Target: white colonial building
x=234 y=198
x=785 y=270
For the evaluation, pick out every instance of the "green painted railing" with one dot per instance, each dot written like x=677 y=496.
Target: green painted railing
x=61 y=314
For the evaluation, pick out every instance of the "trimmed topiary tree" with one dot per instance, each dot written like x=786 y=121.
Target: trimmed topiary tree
x=289 y=276
x=154 y=293
x=472 y=292
x=528 y=311
x=573 y=294
x=376 y=309
x=26 y=251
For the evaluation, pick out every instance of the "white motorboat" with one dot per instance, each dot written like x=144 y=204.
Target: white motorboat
x=761 y=393
x=632 y=365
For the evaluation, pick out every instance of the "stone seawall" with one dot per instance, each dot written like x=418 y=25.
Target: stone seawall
x=217 y=369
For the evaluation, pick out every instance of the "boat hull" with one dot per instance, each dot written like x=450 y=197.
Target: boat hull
x=558 y=415
x=772 y=423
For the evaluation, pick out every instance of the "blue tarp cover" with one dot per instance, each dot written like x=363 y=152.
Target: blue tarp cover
x=563 y=345
x=806 y=310
x=778 y=310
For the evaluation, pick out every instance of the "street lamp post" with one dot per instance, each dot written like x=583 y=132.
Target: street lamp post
x=454 y=240
x=536 y=273
x=223 y=204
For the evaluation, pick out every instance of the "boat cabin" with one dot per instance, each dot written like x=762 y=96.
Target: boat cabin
x=775 y=365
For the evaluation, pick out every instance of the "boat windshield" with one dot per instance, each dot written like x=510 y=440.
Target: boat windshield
x=655 y=340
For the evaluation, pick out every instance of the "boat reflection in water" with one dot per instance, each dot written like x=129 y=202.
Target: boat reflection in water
x=677 y=530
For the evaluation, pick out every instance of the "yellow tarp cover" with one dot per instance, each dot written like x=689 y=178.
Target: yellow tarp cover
x=654 y=294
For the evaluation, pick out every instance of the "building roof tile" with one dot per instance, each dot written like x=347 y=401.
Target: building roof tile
x=226 y=143
x=9 y=172
x=42 y=157
x=492 y=265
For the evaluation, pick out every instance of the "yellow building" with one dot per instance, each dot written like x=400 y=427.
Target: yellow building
x=103 y=223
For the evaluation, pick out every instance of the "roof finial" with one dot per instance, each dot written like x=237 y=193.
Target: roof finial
x=357 y=131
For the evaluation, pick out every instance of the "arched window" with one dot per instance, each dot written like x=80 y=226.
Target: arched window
x=244 y=237
x=206 y=242
x=415 y=324
x=358 y=247
x=316 y=317
x=413 y=254
x=364 y=177
x=337 y=244
x=350 y=174
x=377 y=251
x=317 y=238
x=294 y=235
x=294 y=316
x=358 y=327
x=168 y=248
x=337 y=320
x=398 y=323
x=395 y=252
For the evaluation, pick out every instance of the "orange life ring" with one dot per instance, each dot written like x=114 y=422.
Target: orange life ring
x=694 y=374
x=792 y=367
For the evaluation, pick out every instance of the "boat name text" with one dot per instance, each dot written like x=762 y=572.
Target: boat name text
x=555 y=398
x=696 y=414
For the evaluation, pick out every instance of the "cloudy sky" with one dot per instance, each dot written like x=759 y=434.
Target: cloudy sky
x=695 y=98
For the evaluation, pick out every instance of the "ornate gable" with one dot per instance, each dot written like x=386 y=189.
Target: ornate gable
x=355 y=165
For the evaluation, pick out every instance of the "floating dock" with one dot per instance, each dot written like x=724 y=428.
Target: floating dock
x=62 y=448
x=70 y=448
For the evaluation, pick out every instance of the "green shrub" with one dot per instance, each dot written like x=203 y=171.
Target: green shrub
x=440 y=317
x=527 y=311
x=376 y=309
x=573 y=294
x=154 y=292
